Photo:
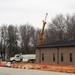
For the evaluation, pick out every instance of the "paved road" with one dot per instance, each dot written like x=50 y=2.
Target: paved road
x=12 y=71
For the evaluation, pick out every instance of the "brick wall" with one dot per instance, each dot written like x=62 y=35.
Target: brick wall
x=48 y=55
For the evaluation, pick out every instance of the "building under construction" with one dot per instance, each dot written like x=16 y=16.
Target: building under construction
x=61 y=52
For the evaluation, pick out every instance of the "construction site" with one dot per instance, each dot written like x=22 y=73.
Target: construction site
x=57 y=63
x=42 y=66
x=37 y=37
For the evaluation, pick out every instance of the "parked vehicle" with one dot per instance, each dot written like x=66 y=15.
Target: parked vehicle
x=29 y=57
x=16 y=58
x=25 y=57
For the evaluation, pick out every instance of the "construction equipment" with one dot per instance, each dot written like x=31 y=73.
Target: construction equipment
x=24 y=58
x=42 y=32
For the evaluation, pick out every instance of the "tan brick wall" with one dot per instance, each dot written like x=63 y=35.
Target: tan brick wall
x=48 y=55
x=37 y=56
x=67 y=52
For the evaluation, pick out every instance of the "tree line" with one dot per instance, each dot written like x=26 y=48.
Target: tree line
x=14 y=40
x=60 y=28
x=24 y=38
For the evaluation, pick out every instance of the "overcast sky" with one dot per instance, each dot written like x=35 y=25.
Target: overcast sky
x=33 y=11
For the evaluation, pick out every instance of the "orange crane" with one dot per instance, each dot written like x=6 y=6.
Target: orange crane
x=42 y=32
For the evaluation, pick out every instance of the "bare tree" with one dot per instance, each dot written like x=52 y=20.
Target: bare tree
x=27 y=32
x=36 y=36
x=70 y=22
x=12 y=40
x=3 y=40
x=56 y=29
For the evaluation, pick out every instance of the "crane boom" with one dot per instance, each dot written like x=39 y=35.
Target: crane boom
x=42 y=32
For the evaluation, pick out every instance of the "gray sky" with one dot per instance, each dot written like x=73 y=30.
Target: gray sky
x=33 y=11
